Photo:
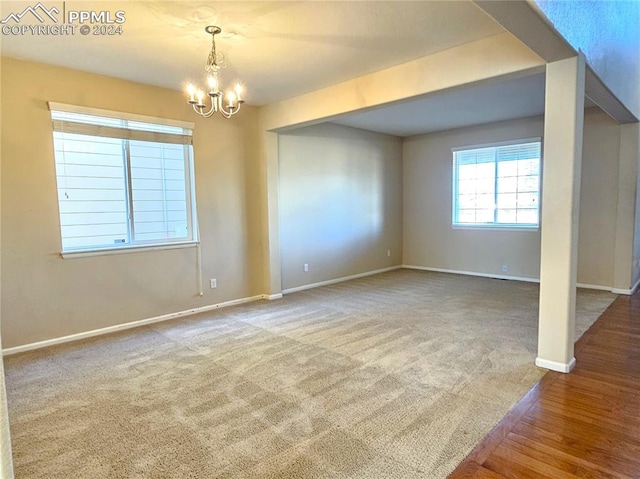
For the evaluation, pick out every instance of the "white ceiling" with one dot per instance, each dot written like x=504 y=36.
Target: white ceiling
x=287 y=48
x=456 y=108
x=277 y=49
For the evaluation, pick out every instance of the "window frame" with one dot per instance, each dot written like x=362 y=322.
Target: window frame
x=495 y=226
x=189 y=182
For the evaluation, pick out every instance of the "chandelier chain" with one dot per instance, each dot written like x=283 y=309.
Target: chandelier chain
x=212 y=62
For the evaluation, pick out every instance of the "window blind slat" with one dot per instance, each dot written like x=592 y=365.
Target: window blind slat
x=120 y=133
x=518 y=152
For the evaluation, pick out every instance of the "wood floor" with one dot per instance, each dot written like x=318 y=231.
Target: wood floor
x=583 y=424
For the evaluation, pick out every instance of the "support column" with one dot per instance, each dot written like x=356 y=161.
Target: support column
x=271 y=247
x=6 y=461
x=6 y=465
x=563 y=124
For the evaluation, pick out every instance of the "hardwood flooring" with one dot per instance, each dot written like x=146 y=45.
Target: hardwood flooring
x=577 y=425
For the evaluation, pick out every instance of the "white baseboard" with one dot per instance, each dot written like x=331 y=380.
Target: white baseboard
x=621 y=291
x=596 y=287
x=556 y=366
x=520 y=278
x=473 y=273
x=626 y=291
x=339 y=280
x=130 y=325
x=203 y=309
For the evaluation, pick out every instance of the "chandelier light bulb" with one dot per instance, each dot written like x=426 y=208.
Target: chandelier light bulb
x=233 y=98
x=238 y=90
x=191 y=90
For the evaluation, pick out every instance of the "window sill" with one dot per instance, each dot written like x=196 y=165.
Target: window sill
x=529 y=229
x=127 y=249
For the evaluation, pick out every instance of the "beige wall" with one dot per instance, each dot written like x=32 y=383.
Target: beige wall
x=598 y=198
x=45 y=296
x=429 y=240
x=340 y=203
x=633 y=131
x=635 y=280
x=495 y=56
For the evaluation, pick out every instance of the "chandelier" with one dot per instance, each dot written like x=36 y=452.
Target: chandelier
x=232 y=100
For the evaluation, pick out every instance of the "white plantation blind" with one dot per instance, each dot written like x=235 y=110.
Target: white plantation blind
x=497 y=185
x=119 y=128
x=122 y=182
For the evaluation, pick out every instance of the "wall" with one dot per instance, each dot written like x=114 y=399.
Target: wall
x=340 y=203
x=635 y=280
x=487 y=58
x=632 y=136
x=608 y=34
x=45 y=296
x=598 y=199
x=429 y=240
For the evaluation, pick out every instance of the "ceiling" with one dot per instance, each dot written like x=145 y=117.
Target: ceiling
x=277 y=49
x=456 y=108
x=287 y=48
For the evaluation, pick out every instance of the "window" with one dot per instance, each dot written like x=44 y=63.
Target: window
x=123 y=180
x=497 y=186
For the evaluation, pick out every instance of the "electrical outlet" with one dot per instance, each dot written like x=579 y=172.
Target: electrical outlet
x=504 y=268
x=388 y=253
x=305 y=268
x=214 y=283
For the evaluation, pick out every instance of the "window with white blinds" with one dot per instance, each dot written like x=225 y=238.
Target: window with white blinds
x=123 y=181
x=497 y=186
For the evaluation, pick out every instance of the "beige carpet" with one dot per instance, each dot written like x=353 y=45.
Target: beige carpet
x=397 y=375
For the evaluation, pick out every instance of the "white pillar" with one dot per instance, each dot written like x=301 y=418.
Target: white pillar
x=563 y=122
x=6 y=466
x=271 y=246
x=6 y=463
